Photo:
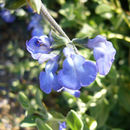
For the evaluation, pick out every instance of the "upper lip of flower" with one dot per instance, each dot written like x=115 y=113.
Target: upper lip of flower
x=40 y=43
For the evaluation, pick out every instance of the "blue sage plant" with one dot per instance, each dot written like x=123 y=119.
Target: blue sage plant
x=65 y=70
x=76 y=72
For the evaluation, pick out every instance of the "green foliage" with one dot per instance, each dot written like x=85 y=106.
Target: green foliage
x=104 y=11
x=28 y=121
x=42 y=126
x=74 y=121
x=22 y=98
x=59 y=41
x=100 y=111
x=124 y=98
x=14 y=4
x=80 y=42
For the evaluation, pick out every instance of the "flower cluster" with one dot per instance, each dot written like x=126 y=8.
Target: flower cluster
x=6 y=14
x=76 y=72
x=35 y=26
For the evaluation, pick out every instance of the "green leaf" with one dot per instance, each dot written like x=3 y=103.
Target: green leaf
x=22 y=98
x=61 y=2
x=92 y=124
x=56 y=118
x=58 y=40
x=35 y=5
x=70 y=99
x=100 y=111
x=28 y=121
x=74 y=121
x=103 y=8
x=104 y=11
x=80 y=41
x=14 y=4
x=41 y=125
x=124 y=97
x=53 y=124
x=57 y=115
x=89 y=122
x=86 y=31
x=38 y=98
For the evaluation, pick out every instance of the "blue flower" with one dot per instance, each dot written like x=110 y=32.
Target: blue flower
x=29 y=9
x=62 y=126
x=35 y=25
x=76 y=71
x=37 y=31
x=39 y=47
x=2 y=5
x=35 y=21
x=104 y=53
x=7 y=16
x=48 y=79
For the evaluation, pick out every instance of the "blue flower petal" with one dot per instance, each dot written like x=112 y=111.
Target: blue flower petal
x=92 y=43
x=62 y=126
x=75 y=93
x=104 y=59
x=37 y=31
x=104 y=53
x=33 y=46
x=76 y=71
x=35 y=21
x=56 y=86
x=68 y=51
x=46 y=57
x=7 y=16
x=68 y=76
x=45 y=41
x=86 y=70
x=46 y=80
x=39 y=47
x=89 y=74
x=51 y=66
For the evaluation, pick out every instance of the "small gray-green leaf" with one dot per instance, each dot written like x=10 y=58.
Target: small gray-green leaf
x=58 y=40
x=28 y=121
x=38 y=98
x=74 y=121
x=103 y=8
x=14 y=4
x=100 y=112
x=124 y=97
x=41 y=125
x=22 y=98
x=81 y=42
x=35 y=5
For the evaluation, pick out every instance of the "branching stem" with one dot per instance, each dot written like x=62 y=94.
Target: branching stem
x=51 y=20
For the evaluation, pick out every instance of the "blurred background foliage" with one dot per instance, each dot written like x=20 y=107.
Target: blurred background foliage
x=104 y=105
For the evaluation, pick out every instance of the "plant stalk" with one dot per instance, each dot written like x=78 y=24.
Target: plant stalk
x=51 y=20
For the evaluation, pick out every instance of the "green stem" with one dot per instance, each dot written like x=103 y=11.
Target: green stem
x=53 y=23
